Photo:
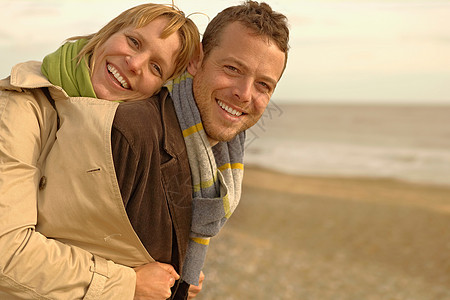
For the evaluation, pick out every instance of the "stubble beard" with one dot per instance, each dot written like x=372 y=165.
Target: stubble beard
x=224 y=134
x=213 y=129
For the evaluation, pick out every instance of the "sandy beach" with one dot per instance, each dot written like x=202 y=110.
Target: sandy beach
x=317 y=238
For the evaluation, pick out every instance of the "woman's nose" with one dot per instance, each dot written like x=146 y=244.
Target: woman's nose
x=135 y=63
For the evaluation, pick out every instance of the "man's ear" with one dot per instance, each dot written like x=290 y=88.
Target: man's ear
x=196 y=62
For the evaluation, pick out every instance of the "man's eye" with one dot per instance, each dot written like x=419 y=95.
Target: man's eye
x=231 y=68
x=265 y=87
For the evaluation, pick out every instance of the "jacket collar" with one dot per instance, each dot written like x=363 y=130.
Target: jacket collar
x=28 y=75
x=172 y=131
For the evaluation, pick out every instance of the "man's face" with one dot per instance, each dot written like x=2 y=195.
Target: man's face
x=233 y=85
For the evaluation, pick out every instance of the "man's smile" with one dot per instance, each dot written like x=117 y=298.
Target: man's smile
x=229 y=110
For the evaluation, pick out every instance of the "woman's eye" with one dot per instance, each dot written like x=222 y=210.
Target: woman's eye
x=133 y=41
x=157 y=69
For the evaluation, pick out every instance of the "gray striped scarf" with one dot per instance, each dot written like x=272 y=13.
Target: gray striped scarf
x=216 y=177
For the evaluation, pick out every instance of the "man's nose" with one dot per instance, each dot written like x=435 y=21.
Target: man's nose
x=243 y=90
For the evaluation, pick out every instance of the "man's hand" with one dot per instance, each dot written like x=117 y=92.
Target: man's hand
x=194 y=289
x=154 y=280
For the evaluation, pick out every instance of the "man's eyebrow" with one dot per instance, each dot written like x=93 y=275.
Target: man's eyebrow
x=270 y=80
x=242 y=66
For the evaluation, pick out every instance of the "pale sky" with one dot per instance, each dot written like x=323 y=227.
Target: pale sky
x=341 y=51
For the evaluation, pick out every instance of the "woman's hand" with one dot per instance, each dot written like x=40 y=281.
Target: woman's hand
x=154 y=280
x=194 y=289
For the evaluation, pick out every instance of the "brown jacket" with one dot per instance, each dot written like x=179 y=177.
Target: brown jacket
x=152 y=167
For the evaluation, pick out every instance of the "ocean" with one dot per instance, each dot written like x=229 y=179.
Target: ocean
x=408 y=143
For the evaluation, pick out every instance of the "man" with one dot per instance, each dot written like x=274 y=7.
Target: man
x=196 y=136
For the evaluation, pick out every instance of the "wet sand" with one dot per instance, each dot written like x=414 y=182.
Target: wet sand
x=296 y=237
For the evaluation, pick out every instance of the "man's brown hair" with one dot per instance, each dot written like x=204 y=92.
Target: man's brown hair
x=259 y=17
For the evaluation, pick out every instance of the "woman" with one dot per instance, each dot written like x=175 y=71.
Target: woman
x=80 y=247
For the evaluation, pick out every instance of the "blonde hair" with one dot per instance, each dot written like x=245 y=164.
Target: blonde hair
x=141 y=15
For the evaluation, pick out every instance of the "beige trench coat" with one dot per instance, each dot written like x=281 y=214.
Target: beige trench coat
x=55 y=242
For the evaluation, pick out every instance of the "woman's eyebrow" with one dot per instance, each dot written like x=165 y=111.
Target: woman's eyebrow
x=156 y=55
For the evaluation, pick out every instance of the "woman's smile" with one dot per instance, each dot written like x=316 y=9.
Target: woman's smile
x=117 y=76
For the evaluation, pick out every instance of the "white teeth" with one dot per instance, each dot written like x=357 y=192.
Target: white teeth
x=118 y=76
x=228 y=109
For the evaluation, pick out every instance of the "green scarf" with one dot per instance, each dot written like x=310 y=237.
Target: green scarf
x=61 y=69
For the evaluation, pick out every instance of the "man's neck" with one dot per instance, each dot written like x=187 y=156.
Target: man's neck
x=211 y=141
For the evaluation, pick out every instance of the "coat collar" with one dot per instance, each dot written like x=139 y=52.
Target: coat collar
x=28 y=75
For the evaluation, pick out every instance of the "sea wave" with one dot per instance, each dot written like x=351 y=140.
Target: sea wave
x=428 y=166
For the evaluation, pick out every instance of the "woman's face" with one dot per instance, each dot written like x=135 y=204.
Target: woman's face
x=134 y=63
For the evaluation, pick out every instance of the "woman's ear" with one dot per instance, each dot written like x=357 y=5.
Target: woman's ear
x=196 y=62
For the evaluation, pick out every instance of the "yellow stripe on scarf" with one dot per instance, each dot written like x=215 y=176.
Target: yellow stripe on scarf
x=169 y=85
x=193 y=129
x=226 y=207
x=201 y=241
x=204 y=184
x=231 y=166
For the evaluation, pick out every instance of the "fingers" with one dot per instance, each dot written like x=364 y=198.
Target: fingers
x=202 y=277
x=170 y=269
x=168 y=294
x=194 y=289
x=172 y=275
x=154 y=281
x=171 y=281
